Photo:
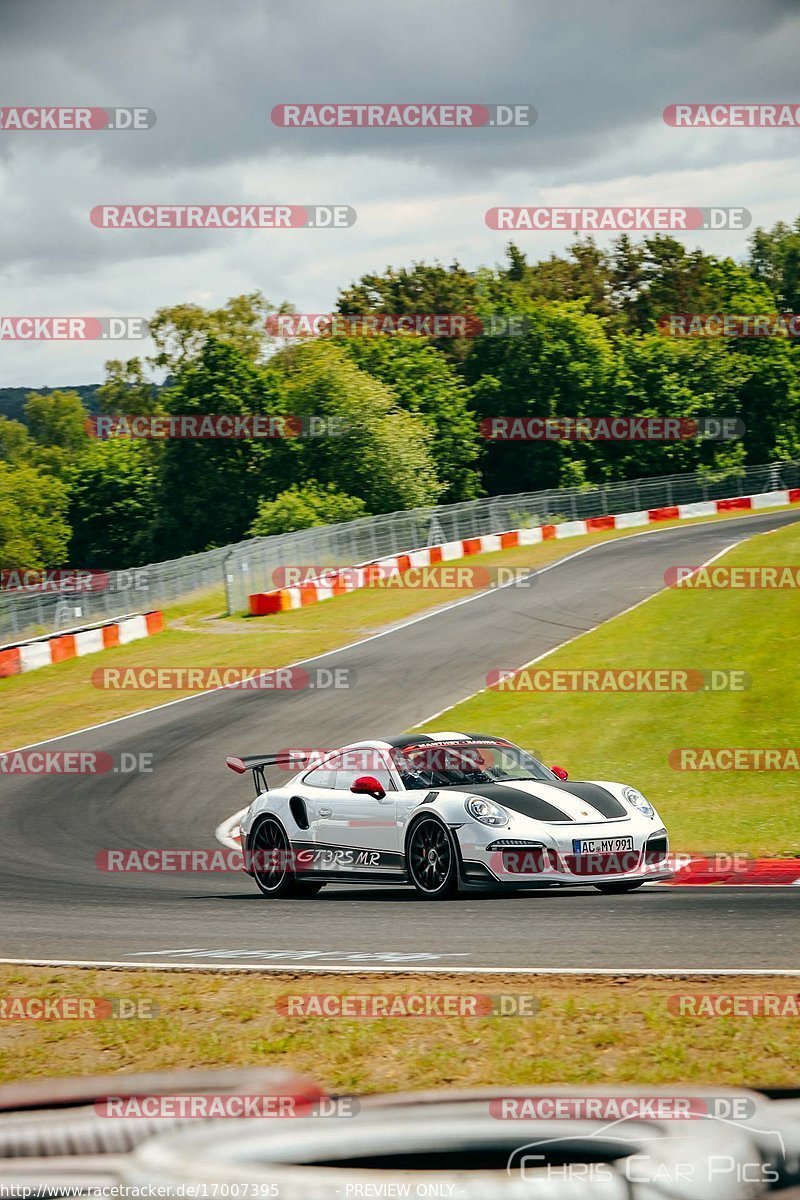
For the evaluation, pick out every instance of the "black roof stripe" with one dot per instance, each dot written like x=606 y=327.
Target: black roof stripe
x=400 y=741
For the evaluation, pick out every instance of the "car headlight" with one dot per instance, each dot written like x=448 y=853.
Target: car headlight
x=486 y=812
x=637 y=801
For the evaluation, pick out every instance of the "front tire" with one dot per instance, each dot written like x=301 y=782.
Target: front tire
x=618 y=889
x=432 y=860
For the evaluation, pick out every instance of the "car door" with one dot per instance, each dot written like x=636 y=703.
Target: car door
x=361 y=825
x=313 y=798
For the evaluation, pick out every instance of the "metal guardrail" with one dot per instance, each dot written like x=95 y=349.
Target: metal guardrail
x=248 y=566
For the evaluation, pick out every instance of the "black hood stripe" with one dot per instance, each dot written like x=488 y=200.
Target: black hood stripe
x=599 y=797
x=521 y=802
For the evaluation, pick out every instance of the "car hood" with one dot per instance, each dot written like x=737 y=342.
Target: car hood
x=555 y=803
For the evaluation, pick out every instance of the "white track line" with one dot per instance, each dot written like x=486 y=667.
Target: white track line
x=434 y=612
x=408 y=969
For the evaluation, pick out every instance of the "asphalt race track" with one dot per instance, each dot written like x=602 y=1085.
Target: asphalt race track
x=56 y=905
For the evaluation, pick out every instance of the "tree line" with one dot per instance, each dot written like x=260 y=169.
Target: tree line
x=407 y=409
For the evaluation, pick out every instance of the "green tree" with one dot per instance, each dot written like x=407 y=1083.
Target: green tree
x=686 y=379
x=57 y=419
x=775 y=259
x=426 y=384
x=181 y=331
x=304 y=507
x=210 y=487
x=370 y=447
x=424 y=288
x=15 y=442
x=113 y=505
x=128 y=390
x=561 y=367
x=34 y=532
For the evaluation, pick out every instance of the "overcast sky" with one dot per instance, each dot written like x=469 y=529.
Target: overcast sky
x=598 y=72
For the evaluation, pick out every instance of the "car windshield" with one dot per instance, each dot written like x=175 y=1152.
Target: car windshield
x=450 y=764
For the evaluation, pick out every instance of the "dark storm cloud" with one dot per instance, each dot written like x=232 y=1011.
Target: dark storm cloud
x=599 y=73
x=213 y=71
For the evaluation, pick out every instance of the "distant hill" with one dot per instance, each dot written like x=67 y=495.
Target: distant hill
x=12 y=399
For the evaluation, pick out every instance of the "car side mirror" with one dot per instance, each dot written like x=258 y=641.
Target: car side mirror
x=367 y=785
x=559 y=773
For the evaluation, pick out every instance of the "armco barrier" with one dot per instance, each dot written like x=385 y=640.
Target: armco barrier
x=43 y=652
x=263 y=604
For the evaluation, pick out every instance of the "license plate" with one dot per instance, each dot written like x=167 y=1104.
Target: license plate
x=617 y=845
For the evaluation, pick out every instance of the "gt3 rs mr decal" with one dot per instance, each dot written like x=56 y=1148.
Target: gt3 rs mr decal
x=309 y=857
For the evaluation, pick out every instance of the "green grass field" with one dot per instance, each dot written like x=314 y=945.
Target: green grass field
x=629 y=736
x=585 y=1031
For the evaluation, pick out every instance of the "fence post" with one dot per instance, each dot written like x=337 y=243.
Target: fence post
x=227 y=581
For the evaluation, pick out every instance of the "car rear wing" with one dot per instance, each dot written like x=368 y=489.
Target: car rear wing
x=258 y=763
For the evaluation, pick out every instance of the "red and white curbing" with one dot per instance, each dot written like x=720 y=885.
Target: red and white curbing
x=312 y=591
x=735 y=871
x=74 y=643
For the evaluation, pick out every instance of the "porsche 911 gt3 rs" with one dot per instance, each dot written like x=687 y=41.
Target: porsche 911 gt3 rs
x=443 y=812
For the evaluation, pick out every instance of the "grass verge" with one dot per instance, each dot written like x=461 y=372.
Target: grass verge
x=58 y=699
x=585 y=1031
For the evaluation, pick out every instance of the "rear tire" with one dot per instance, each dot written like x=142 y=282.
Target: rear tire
x=432 y=860
x=272 y=872
x=618 y=889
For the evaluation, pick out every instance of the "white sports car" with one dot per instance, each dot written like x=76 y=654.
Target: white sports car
x=444 y=812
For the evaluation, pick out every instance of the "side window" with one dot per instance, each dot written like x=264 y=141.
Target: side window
x=366 y=762
x=323 y=776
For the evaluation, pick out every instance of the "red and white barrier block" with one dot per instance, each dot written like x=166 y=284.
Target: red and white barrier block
x=337 y=584
x=74 y=643
x=737 y=870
